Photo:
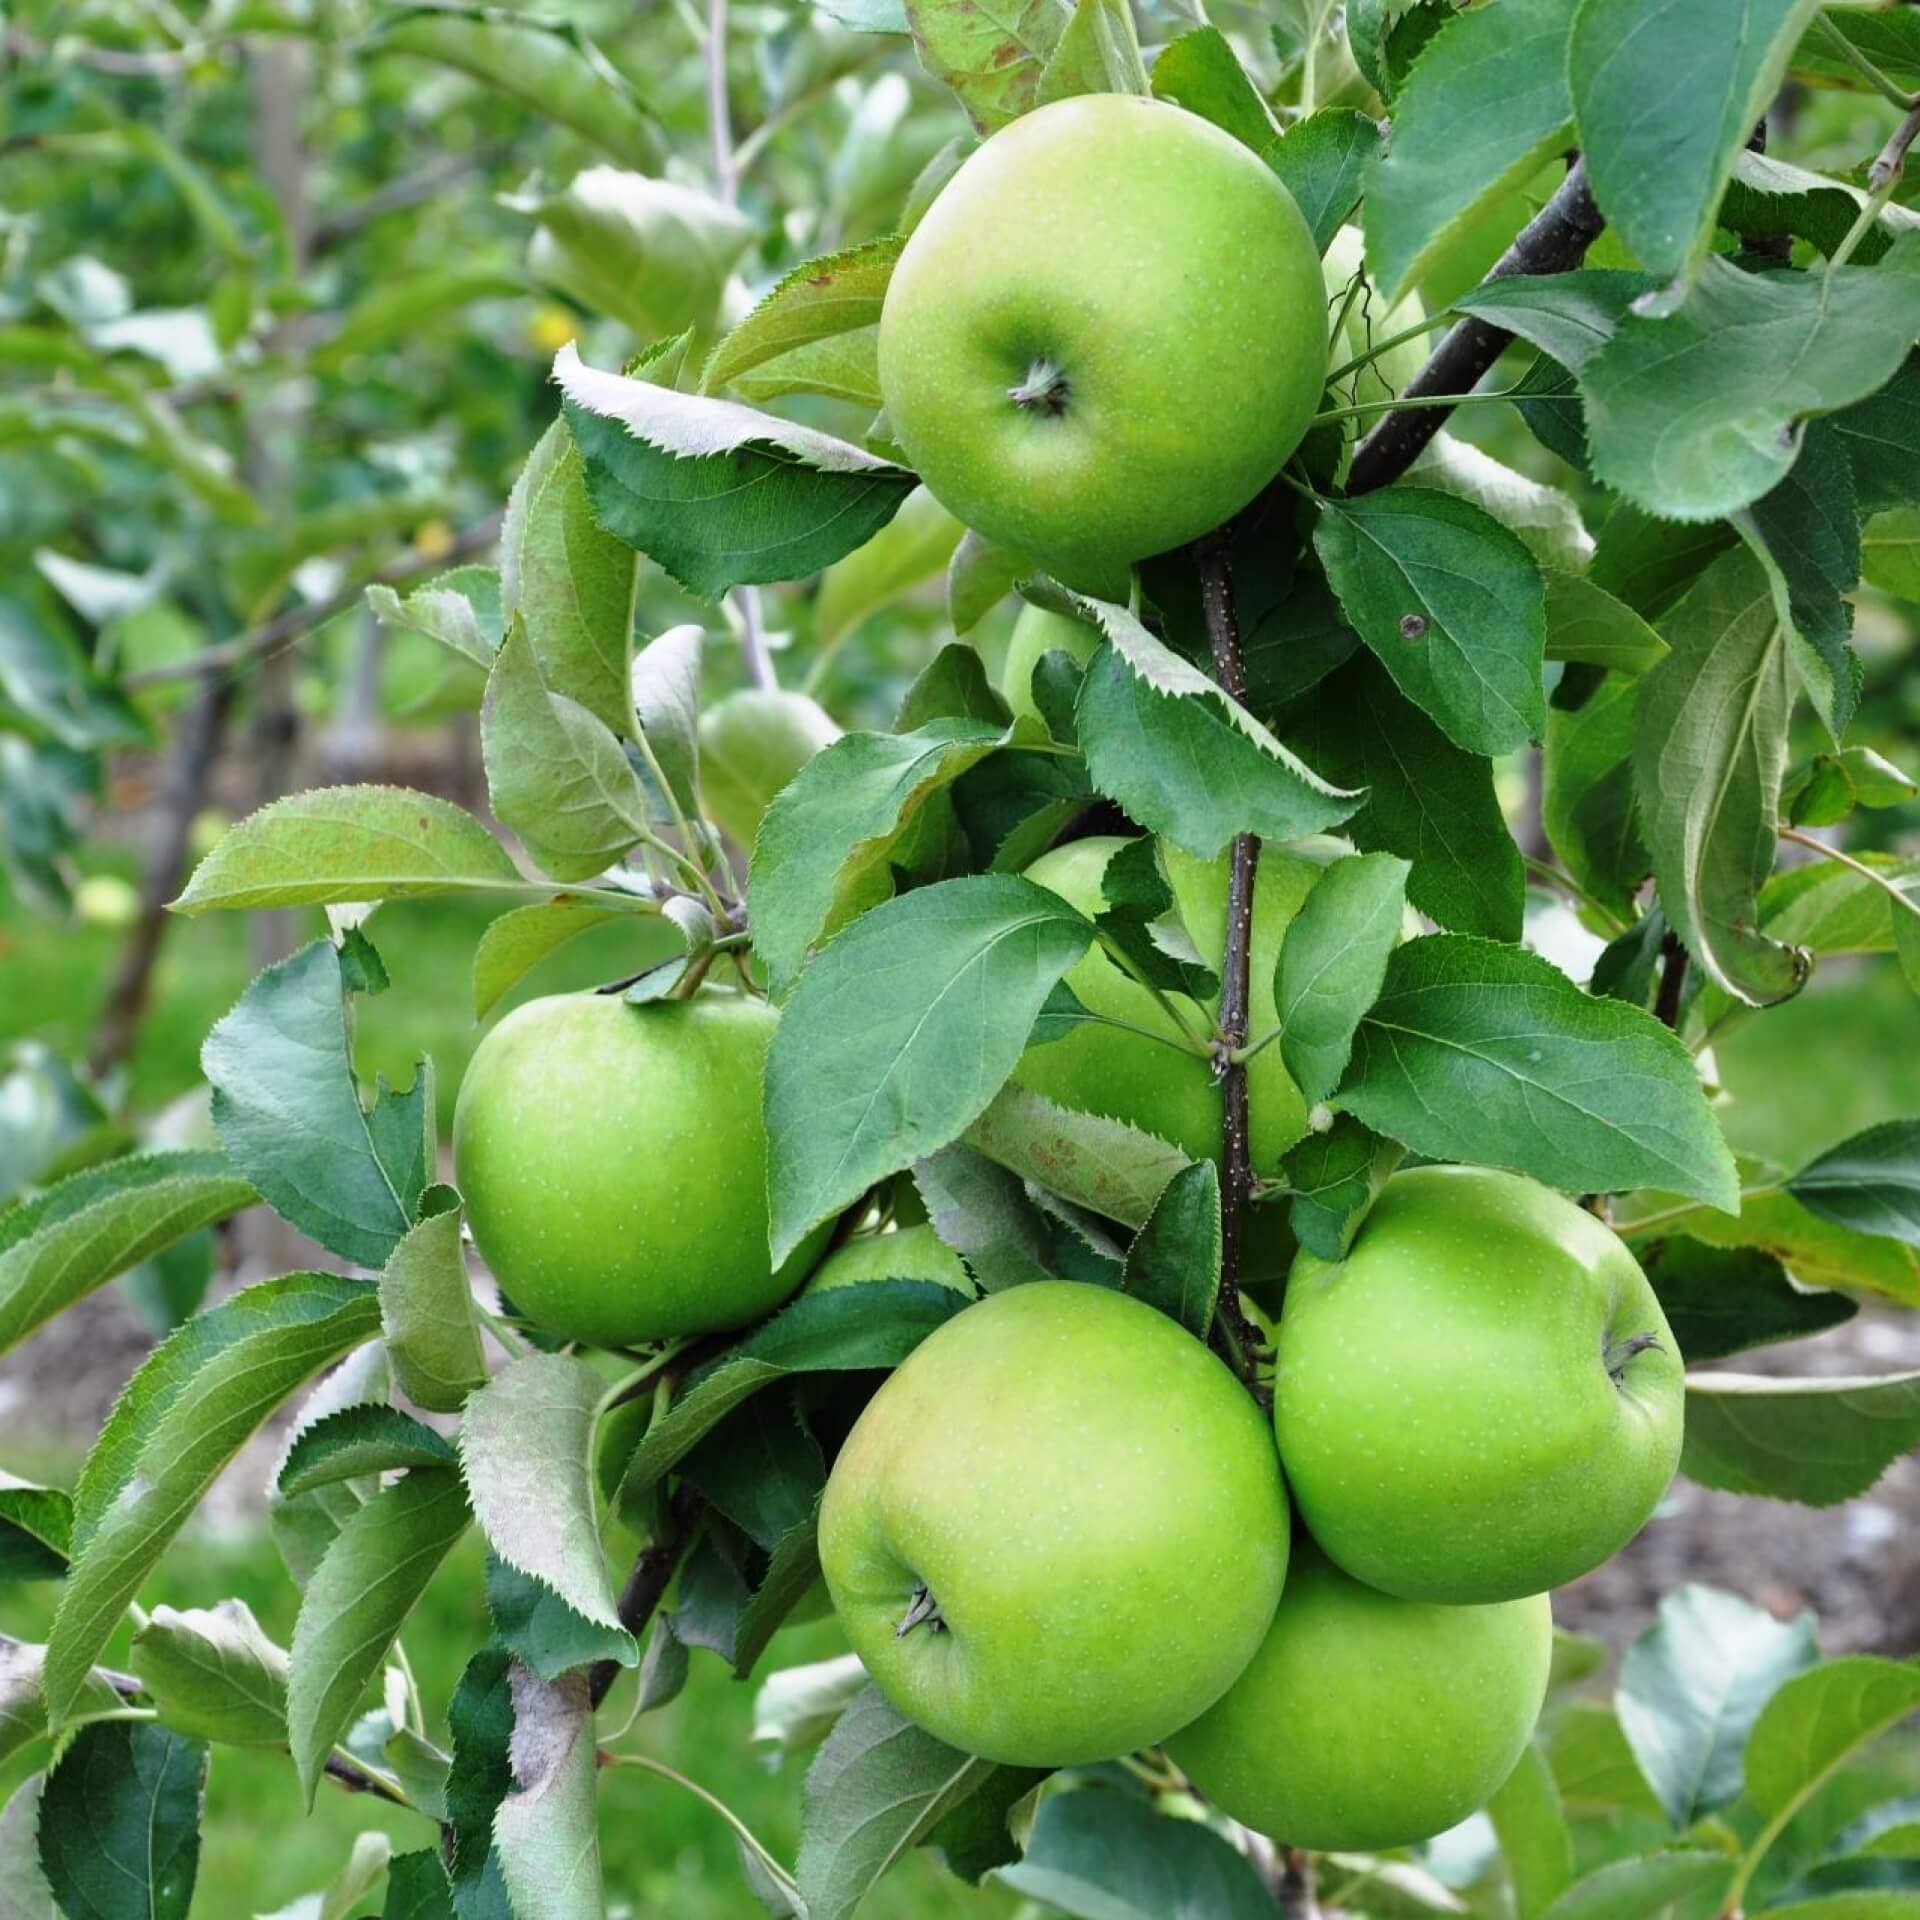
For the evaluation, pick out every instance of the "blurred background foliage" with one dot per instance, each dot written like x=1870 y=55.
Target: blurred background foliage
x=279 y=294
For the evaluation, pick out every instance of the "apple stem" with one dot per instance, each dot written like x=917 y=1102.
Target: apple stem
x=923 y=1610
x=1622 y=1351
x=1046 y=390
x=1213 y=555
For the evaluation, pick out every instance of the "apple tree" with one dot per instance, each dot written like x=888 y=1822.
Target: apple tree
x=1180 y=1193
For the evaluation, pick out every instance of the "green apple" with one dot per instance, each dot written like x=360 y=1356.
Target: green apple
x=903 y=1253
x=1106 y=336
x=1037 y=633
x=1367 y=1722
x=1143 y=1080
x=751 y=744
x=1058 y=1531
x=611 y=1158
x=1483 y=1399
x=1368 y=322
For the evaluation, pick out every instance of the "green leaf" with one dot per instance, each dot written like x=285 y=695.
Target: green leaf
x=548 y=65
x=1587 y=625
x=1200 y=71
x=1174 y=1262
x=760 y=1468
x=546 y=1833
x=1695 y=415
x=556 y=775
x=24 y=1893
x=1710 y=753
x=911 y=549
x=77 y=1234
x=1879 y=434
x=1546 y=520
x=480 y=1721
x=36 y=1530
x=1890 y=552
x=1450 y=602
x=1639 y=1888
x=1106 y=1856
x=1587 y=797
x=991 y=56
x=357 y=1601
x=23 y=1707
x=213 y=1673
x=982 y=1212
x=1725 y=1300
x=717 y=493
x=354 y=1442
x=1532 y=1828
x=571 y=583
x=845 y=366
x=1814 y=1441
x=120 y=1822
x=1817 y=1720
x=654 y=254
x=1323 y=162
x=901 y=1032
x=1666 y=97
x=459 y=610
x=1593 y=1766
x=1336 y=1177
x=1332 y=961
x=1869 y=1184
x=526 y=1443
x=1769 y=197
x=541 y=1631
x=515 y=943
x=1183 y=757
x=846 y=1329
x=1828 y=908
x=183 y=1416
x=1427 y=800
x=1098 y=52
x=1490 y=1055
x=826 y=838
x=1691 y=1687
x=288 y=1110
x=878 y=1788
x=427 y=1316
x=834 y=294
x=334 y=845
x=1483 y=110
x=1104 y=1165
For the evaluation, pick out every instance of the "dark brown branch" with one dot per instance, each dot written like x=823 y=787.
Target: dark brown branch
x=196 y=749
x=1555 y=240
x=355 y=1778
x=298 y=622
x=1673 y=979
x=1214 y=557
x=653 y=1570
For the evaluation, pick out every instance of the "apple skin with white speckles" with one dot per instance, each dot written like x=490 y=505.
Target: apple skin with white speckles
x=1153 y=291
x=1483 y=1399
x=1367 y=1722
x=613 y=1162
x=1094 y=1505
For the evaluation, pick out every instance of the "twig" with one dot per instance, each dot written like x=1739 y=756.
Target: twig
x=1897 y=894
x=397 y=195
x=1229 y=668
x=298 y=622
x=653 y=1569
x=196 y=749
x=1892 y=161
x=1673 y=980
x=355 y=1778
x=1554 y=240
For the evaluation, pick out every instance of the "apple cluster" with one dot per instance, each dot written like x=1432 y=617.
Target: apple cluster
x=1063 y=1530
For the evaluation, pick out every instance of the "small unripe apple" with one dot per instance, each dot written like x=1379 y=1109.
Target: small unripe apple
x=612 y=1157
x=905 y=1253
x=1058 y=1531
x=1147 y=1082
x=1483 y=1399
x=1038 y=632
x=1366 y=1722
x=1106 y=336
x=751 y=744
